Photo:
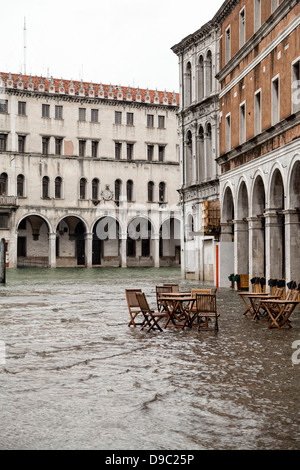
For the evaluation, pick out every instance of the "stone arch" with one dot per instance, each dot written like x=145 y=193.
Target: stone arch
x=258 y=227
x=242 y=229
x=71 y=232
x=208 y=72
x=141 y=236
x=106 y=241
x=275 y=220
x=292 y=221
x=200 y=78
x=33 y=241
x=188 y=84
x=227 y=216
x=169 y=242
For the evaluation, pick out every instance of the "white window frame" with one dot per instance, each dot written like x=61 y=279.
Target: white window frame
x=227 y=44
x=295 y=87
x=257 y=119
x=275 y=109
x=242 y=26
x=227 y=134
x=257 y=15
x=242 y=125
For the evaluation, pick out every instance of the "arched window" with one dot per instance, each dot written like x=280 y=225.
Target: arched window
x=201 y=79
x=162 y=192
x=189 y=158
x=200 y=154
x=3 y=184
x=188 y=84
x=150 y=191
x=82 y=188
x=20 y=185
x=129 y=190
x=95 y=189
x=45 y=187
x=58 y=187
x=209 y=156
x=208 y=77
x=118 y=189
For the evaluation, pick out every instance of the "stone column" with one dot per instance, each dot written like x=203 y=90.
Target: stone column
x=226 y=232
x=123 y=252
x=52 y=250
x=256 y=247
x=274 y=245
x=89 y=249
x=13 y=248
x=155 y=250
x=241 y=247
x=292 y=245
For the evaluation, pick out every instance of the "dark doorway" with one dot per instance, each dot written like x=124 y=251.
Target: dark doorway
x=22 y=246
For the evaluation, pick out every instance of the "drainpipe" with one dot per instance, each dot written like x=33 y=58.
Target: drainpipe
x=183 y=164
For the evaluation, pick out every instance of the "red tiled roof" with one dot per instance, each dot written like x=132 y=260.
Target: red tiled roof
x=87 y=86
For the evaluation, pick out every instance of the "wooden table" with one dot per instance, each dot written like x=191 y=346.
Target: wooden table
x=252 y=307
x=279 y=311
x=178 y=306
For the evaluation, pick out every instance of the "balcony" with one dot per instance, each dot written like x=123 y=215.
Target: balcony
x=10 y=202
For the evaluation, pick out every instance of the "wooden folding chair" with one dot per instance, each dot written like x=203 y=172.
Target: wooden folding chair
x=193 y=306
x=151 y=318
x=175 y=287
x=280 y=310
x=133 y=306
x=206 y=305
x=160 y=290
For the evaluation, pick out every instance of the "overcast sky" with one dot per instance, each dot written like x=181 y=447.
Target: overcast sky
x=115 y=42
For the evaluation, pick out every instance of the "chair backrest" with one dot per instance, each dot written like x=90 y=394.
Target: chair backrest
x=131 y=298
x=194 y=292
x=174 y=287
x=278 y=292
x=206 y=303
x=143 y=304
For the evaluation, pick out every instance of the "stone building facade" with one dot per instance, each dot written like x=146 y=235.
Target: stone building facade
x=198 y=58
x=259 y=137
x=89 y=174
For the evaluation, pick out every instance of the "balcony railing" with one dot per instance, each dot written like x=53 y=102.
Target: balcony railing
x=8 y=200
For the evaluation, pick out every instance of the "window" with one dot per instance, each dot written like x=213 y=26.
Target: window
x=150 y=120
x=45 y=145
x=94 y=149
x=21 y=108
x=188 y=84
x=3 y=184
x=296 y=86
x=58 y=112
x=257 y=112
x=227 y=133
x=129 y=151
x=82 y=146
x=227 y=45
x=208 y=73
x=94 y=115
x=129 y=120
x=46 y=110
x=118 y=117
x=118 y=187
x=81 y=114
x=3 y=142
x=257 y=15
x=20 y=185
x=118 y=150
x=161 y=192
x=4 y=220
x=200 y=76
x=21 y=143
x=58 y=187
x=95 y=189
x=274 y=5
x=161 y=153
x=150 y=152
x=161 y=122
x=82 y=188
x=3 y=106
x=242 y=27
x=129 y=190
x=242 y=123
x=275 y=100
x=150 y=191
x=45 y=187
x=58 y=146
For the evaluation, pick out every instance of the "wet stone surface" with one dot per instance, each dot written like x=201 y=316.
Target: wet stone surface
x=76 y=377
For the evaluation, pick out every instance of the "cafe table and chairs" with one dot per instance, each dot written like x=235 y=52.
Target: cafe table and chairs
x=280 y=310
x=177 y=305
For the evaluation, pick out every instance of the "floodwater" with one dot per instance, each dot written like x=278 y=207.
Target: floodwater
x=76 y=377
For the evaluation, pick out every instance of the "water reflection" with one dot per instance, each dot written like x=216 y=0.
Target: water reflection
x=76 y=377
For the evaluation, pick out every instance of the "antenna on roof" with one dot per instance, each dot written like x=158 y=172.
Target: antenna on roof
x=24 y=46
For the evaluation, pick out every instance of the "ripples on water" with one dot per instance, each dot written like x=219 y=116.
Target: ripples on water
x=76 y=377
